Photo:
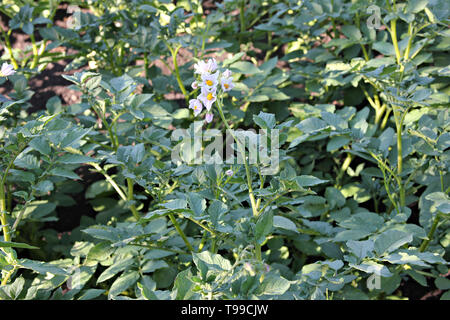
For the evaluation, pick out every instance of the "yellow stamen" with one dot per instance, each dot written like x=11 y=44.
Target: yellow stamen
x=226 y=85
x=209 y=82
x=209 y=96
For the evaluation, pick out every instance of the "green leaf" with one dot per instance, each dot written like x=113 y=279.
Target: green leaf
x=415 y=6
x=11 y=244
x=421 y=95
x=265 y=120
x=274 y=285
x=272 y=93
x=60 y=172
x=309 y=181
x=384 y=48
x=14 y=289
x=91 y=294
x=184 y=285
x=152 y=265
x=175 y=204
x=75 y=159
x=351 y=235
x=40 y=144
x=445 y=295
x=361 y=249
x=244 y=67
x=98 y=188
x=115 y=269
x=263 y=226
x=42 y=267
x=148 y=286
x=418 y=277
x=73 y=136
x=351 y=32
x=391 y=240
x=196 y=203
x=284 y=223
x=442 y=283
x=210 y=262
x=373 y=267
x=44 y=187
x=334 y=197
x=134 y=154
x=337 y=142
x=123 y=282
x=312 y=125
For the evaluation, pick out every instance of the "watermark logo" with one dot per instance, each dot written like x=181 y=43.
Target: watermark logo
x=374 y=21
x=374 y=281
x=74 y=282
x=210 y=147
x=74 y=21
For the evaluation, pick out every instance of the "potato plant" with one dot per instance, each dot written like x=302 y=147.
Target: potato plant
x=231 y=150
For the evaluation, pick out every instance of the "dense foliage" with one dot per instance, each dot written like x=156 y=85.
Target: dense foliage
x=358 y=92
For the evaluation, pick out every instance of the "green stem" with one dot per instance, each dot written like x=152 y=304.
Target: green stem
x=146 y=65
x=110 y=180
x=8 y=198
x=408 y=47
x=242 y=151
x=430 y=235
x=248 y=173
x=399 y=127
x=3 y=208
x=35 y=52
x=7 y=276
x=348 y=160
x=9 y=48
x=180 y=232
x=242 y=18
x=131 y=198
x=394 y=39
x=177 y=70
x=3 y=218
x=214 y=245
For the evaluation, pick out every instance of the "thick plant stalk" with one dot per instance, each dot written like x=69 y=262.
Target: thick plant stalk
x=247 y=169
x=3 y=219
x=399 y=127
x=9 y=48
x=131 y=198
x=248 y=173
x=430 y=235
x=242 y=18
x=180 y=232
x=394 y=40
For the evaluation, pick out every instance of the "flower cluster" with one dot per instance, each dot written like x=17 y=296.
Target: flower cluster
x=209 y=79
x=7 y=70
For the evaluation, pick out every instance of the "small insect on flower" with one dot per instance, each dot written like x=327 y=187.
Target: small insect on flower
x=7 y=70
x=207 y=97
x=209 y=117
x=196 y=105
x=203 y=67
x=229 y=172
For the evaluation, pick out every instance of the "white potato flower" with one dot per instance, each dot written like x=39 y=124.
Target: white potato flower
x=196 y=105
x=7 y=70
x=203 y=67
x=207 y=97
